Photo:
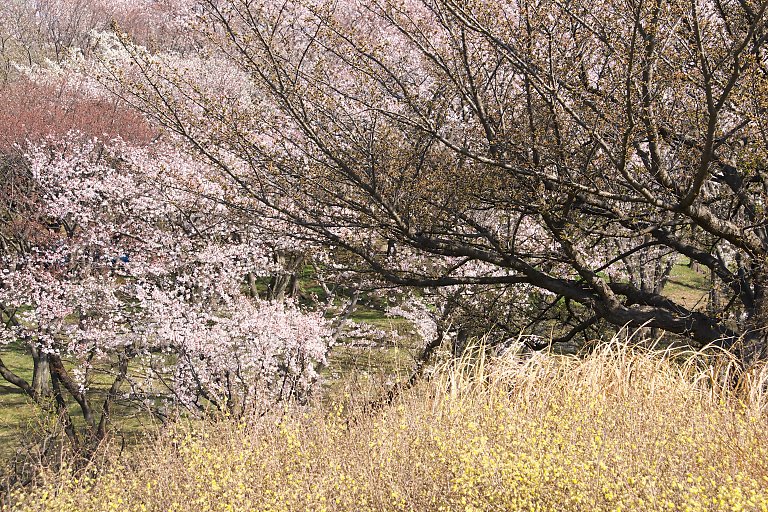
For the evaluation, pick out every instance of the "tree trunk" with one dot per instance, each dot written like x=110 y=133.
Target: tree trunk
x=286 y=283
x=41 y=374
x=753 y=346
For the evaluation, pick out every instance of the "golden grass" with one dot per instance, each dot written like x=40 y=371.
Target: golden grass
x=619 y=430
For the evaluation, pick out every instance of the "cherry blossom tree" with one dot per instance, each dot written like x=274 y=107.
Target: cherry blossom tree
x=532 y=149
x=34 y=32
x=135 y=268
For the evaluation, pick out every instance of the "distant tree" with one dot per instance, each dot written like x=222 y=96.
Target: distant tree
x=36 y=32
x=541 y=155
x=34 y=108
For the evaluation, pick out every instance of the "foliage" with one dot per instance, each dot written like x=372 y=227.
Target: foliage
x=619 y=430
x=527 y=170
x=128 y=256
x=544 y=163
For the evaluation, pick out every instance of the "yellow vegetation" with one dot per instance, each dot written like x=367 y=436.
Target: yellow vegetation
x=619 y=430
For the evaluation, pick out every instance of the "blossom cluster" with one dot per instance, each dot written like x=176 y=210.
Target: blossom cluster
x=139 y=251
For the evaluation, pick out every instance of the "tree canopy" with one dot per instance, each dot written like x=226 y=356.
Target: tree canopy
x=546 y=161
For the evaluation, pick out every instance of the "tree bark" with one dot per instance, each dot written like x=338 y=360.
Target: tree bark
x=41 y=374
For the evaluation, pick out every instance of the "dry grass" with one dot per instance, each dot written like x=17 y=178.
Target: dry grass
x=619 y=430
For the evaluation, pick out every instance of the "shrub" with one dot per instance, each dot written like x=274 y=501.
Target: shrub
x=619 y=430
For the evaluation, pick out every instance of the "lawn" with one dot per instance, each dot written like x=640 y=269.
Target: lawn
x=16 y=409
x=687 y=286
x=20 y=417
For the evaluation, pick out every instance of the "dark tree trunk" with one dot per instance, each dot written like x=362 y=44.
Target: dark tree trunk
x=753 y=346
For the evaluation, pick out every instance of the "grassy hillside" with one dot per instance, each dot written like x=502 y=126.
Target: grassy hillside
x=620 y=430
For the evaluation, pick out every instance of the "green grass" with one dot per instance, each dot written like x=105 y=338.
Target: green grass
x=19 y=415
x=377 y=318
x=16 y=409
x=368 y=366
x=17 y=412
x=687 y=286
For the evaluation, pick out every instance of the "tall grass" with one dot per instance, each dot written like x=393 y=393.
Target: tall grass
x=621 y=429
